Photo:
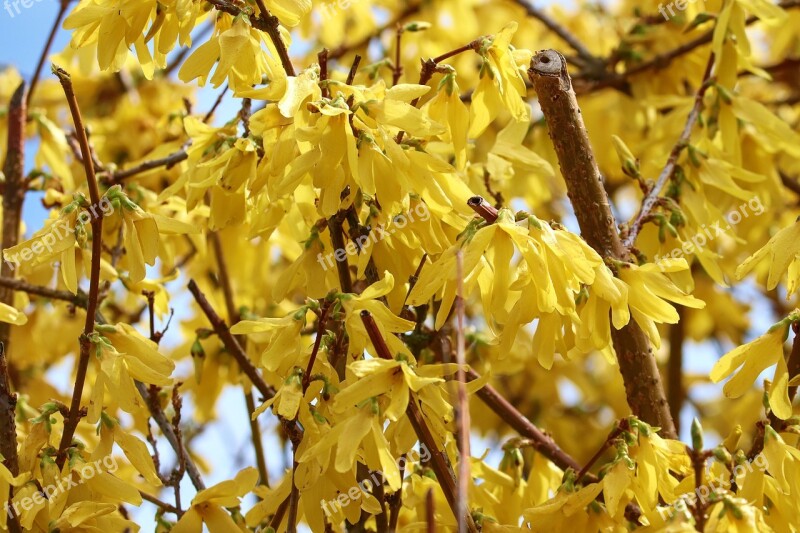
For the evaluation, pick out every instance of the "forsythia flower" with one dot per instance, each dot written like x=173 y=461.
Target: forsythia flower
x=237 y=52
x=208 y=506
x=783 y=250
x=124 y=355
x=501 y=84
x=753 y=358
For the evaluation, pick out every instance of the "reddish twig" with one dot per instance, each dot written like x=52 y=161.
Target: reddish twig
x=71 y=423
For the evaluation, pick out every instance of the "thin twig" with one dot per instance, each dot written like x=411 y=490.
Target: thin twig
x=441 y=468
x=224 y=278
x=561 y=31
x=397 y=71
x=231 y=344
x=668 y=171
x=616 y=432
x=216 y=104
x=351 y=75
x=321 y=323
x=167 y=161
x=164 y=506
x=462 y=411
x=71 y=423
x=62 y=9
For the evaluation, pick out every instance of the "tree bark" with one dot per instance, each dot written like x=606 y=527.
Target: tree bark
x=637 y=364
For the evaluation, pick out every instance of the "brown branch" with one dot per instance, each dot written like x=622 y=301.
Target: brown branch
x=167 y=430
x=793 y=366
x=337 y=241
x=62 y=10
x=168 y=162
x=675 y=391
x=541 y=442
x=637 y=364
x=662 y=60
x=430 y=66
x=231 y=344
x=79 y=300
x=351 y=75
x=71 y=422
x=439 y=463
x=322 y=58
x=430 y=512
x=668 y=171
x=13 y=198
x=258 y=446
x=164 y=506
x=321 y=322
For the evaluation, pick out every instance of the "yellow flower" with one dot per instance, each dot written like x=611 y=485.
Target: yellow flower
x=124 y=355
x=208 y=506
x=501 y=84
x=784 y=255
x=753 y=358
x=237 y=52
x=649 y=289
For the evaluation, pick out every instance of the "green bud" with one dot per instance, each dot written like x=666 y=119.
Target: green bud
x=697 y=435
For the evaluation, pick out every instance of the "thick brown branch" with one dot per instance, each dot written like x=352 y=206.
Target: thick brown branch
x=638 y=367
x=675 y=391
x=13 y=197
